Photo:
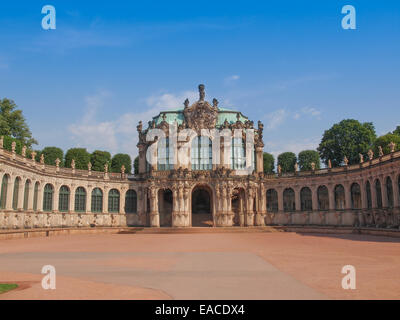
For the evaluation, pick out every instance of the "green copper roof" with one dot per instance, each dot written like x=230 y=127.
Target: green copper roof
x=177 y=115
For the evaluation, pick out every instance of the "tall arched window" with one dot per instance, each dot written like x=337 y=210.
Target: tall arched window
x=289 y=202
x=35 y=196
x=97 y=200
x=272 y=200
x=355 y=196
x=323 y=198
x=340 y=198
x=26 y=193
x=131 y=201
x=63 y=199
x=238 y=154
x=113 y=200
x=48 y=197
x=16 y=193
x=306 y=199
x=201 y=153
x=369 y=196
x=4 y=187
x=80 y=200
x=378 y=190
x=389 y=192
x=163 y=151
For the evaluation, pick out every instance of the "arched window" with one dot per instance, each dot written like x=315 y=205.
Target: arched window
x=369 y=196
x=80 y=200
x=26 y=193
x=63 y=199
x=323 y=198
x=389 y=192
x=306 y=199
x=340 y=198
x=4 y=187
x=378 y=191
x=272 y=200
x=48 y=197
x=201 y=153
x=238 y=154
x=35 y=196
x=131 y=201
x=97 y=200
x=16 y=194
x=289 y=203
x=355 y=196
x=163 y=151
x=113 y=200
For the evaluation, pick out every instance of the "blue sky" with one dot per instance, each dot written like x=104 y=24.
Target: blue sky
x=110 y=64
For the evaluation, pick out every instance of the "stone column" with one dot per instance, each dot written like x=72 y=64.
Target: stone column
x=250 y=212
x=21 y=196
x=122 y=201
x=396 y=196
x=259 y=160
x=31 y=195
x=314 y=195
x=10 y=193
x=373 y=196
x=105 y=199
x=71 y=206
x=297 y=199
x=260 y=217
x=385 y=202
x=154 y=214
x=331 y=192
x=40 y=197
x=142 y=158
x=56 y=197
x=280 y=199
x=347 y=195
x=89 y=199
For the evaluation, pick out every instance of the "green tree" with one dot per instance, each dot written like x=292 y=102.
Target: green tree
x=307 y=157
x=81 y=157
x=269 y=162
x=287 y=160
x=121 y=159
x=13 y=124
x=99 y=159
x=347 y=138
x=136 y=165
x=7 y=142
x=384 y=141
x=397 y=131
x=51 y=154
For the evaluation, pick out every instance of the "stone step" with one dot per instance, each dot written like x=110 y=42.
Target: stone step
x=174 y=230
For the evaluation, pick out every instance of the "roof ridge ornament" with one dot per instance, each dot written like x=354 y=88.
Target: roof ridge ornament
x=202 y=92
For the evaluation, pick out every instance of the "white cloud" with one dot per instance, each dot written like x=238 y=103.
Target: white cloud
x=312 y=112
x=278 y=117
x=275 y=119
x=231 y=79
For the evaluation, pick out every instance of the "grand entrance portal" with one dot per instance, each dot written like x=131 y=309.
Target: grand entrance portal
x=165 y=207
x=202 y=207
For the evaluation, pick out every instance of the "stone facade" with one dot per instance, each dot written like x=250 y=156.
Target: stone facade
x=36 y=195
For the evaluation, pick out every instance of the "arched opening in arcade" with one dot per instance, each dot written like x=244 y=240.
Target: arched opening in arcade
x=202 y=215
x=165 y=203
x=238 y=206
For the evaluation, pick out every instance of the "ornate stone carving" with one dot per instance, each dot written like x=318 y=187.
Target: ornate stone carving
x=201 y=115
x=370 y=154
x=392 y=146
x=380 y=151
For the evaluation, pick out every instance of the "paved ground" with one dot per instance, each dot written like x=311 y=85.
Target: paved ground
x=202 y=266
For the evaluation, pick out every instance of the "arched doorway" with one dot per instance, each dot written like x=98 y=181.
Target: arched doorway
x=165 y=198
x=202 y=207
